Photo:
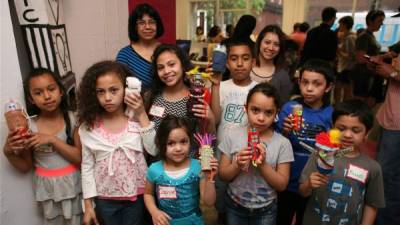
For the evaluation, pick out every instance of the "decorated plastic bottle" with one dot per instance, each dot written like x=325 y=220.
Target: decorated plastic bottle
x=219 y=58
x=133 y=85
x=253 y=138
x=297 y=120
x=196 y=92
x=327 y=144
x=16 y=118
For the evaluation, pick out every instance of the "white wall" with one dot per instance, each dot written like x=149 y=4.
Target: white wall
x=96 y=30
x=293 y=12
x=183 y=25
x=17 y=206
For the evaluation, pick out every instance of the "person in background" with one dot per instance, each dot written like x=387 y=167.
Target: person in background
x=270 y=51
x=366 y=85
x=296 y=27
x=229 y=30
x=244 y=28
x=360 y=31
x=215 y=35
x=346 y=59
x=300 y=35
x=144 y=27
x=321 y=41
x=388 y=118
x=292 y=57
x=200 y=34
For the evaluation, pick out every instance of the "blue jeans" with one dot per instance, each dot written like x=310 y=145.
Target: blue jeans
x=121 y=212
x=389 y=159
x=239 y=215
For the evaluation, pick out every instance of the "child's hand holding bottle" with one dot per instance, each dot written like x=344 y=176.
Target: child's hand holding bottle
x=203 y=110
x=287 y=125
x=317 y=180
x=262 y=149
x=15 y=143
x=135 y=102
x=214 y=169
x=243 y=158
x=40 y=142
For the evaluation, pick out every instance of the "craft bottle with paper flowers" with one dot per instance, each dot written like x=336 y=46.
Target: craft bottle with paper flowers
x=176 y=184
x=327 y=143
x=50 y=146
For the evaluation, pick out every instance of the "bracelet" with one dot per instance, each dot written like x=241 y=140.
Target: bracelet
x=148 y=129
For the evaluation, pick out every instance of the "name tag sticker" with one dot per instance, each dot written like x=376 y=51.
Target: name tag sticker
x=132 y=127
x=157 y=111
x=166 y=192
x=357 y=173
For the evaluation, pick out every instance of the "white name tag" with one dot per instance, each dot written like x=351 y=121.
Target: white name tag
x=357 y=173
x=157 y=111
x=132 y=127
x=167 y=192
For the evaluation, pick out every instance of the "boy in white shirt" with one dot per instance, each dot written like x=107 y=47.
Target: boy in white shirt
x=229 y=97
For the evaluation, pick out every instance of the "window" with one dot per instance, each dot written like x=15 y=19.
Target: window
x=389 y=33
x=223 y=12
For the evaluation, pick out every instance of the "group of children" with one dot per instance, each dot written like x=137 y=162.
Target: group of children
x=111 y=149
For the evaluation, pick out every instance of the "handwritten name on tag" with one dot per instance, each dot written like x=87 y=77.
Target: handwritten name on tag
x=167 y=192
x=132 y=127
x=157 y=111
x=357 y=173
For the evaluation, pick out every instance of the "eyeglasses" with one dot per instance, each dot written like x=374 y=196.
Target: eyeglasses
x=143 y=23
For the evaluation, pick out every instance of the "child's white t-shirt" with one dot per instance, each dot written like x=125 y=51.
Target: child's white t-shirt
x=232 y=100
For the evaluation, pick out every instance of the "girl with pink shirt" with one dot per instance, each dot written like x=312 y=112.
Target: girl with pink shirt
x=113 y=158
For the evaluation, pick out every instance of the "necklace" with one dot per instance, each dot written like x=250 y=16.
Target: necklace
x=258 y=75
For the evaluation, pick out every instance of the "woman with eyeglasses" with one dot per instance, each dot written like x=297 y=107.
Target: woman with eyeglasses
x=144 y=27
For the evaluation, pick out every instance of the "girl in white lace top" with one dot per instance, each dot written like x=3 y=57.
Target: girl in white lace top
x=113 y=147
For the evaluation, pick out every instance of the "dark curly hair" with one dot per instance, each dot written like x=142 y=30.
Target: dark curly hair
x=64 y=104
x=158 y=85
x=168 y=124
x=137 y=14
x=279 y=59
x=89 y=107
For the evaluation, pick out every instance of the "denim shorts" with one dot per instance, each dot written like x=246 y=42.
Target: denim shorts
x=240 y=215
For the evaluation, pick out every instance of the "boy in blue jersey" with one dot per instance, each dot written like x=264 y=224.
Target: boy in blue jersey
x=315 y=82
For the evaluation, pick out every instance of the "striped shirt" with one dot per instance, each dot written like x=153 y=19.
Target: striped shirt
x=140 y=67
